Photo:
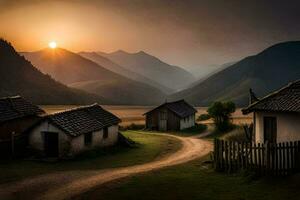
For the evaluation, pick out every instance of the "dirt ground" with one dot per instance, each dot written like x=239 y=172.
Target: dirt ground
x=72 y=183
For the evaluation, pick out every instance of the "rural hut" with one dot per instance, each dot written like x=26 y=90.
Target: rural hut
x=176 y=115
x=16 y=116
x=73 y=131
x=276 y=117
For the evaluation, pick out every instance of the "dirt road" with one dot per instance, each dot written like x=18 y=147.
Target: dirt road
x=72 y=183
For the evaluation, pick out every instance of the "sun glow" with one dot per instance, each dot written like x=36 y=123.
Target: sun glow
x=52 y=44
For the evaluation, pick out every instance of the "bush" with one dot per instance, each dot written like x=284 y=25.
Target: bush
x=221 y=112
x=203 y=117
x=132 y=126
x=198 y=128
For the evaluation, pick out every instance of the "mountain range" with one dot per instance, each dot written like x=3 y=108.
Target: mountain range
x=170 y=76
x=264 y=72
x=114 y=67
x=19 y=77
x=76 y=71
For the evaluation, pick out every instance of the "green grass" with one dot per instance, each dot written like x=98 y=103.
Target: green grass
x=196 y=181
x=196 y=130
x=149 y=147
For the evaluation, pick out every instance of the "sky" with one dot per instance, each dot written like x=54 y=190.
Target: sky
x=198 y=35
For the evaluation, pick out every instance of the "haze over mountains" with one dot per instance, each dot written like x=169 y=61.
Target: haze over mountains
x=107 y=82
x=114 y=67
x=81 y=73
x=149 y=66
x=19 y=77
x=264 y=72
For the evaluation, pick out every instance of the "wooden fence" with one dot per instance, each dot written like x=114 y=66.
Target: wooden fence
x=268 y=158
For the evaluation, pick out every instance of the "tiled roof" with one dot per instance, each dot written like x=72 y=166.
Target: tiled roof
x=286 y=99
x=17 y=107
x=181 y=108
x=83 y=119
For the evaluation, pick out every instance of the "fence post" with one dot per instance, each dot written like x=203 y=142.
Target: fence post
x=13 y=143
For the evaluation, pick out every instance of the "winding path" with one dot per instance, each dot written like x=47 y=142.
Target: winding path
x=72 y=183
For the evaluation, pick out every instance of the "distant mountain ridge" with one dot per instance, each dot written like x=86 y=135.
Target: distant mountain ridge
x=153 y=68
x=19 y=77
x=264 y=72
x=81 y=73
x=114 y=67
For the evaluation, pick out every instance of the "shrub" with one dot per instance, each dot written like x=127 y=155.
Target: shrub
x=221 y=112
x=198 y=128
x=203 y=117
x=132 y=126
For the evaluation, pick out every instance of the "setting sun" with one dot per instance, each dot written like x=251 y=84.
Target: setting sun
x=52 y=45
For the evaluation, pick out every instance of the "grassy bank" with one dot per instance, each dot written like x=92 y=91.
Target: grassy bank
x=148 y=148
x=196 y=181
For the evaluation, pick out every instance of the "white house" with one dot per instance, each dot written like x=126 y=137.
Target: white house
x=73 y=131
x=276 y=117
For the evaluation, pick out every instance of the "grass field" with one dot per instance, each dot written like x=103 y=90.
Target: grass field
x=149 y=147
x=197 y=181
x=134 y=114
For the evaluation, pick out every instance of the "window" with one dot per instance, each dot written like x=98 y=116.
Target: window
x=88 y=138
x=270 y=129
x=105 y=132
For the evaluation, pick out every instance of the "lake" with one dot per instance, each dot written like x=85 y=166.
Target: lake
x=134 y=114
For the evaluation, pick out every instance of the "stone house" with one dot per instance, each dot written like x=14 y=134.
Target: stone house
x=176 y=115
x=276 y=117
x=73 y=131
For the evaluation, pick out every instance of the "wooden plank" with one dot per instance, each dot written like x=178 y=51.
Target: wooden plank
x=292 y=157
x=251 y=155
x=226 y=155
x=276 y=159
x=267 y=156
x=221 y=154
x=234 y=155
x=280 y=159
x=255 y=156
x=288 y=157
x=259 y=158
x=283 y=159
x=238 y=156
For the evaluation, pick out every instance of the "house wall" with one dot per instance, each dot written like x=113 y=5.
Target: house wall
x=36 y=138
x=187 y=122
x=16 y=125
x=152 y=120
x=288 y=126
x=77 y=143
x=68 y=145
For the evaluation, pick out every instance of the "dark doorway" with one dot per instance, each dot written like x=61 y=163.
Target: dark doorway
x=51 y=144
x=270 y=129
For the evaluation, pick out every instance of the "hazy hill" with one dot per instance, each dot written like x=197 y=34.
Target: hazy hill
x=108 y=64
x=79 y=72
x=170 y=76
x=264 y=72
x=19 y=77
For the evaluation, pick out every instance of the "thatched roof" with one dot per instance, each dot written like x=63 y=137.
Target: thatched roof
x=286 y=99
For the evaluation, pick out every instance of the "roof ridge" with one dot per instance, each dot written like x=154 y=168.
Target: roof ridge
x=275 y=92
x=75 y=109
x=11 y=97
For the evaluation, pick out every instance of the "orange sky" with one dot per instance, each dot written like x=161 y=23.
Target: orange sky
x=192 y=34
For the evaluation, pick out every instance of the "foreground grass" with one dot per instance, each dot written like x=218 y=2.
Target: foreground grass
x=149 y=147
x=196 y=181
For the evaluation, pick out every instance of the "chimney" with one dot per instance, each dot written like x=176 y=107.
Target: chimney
x=252 y=97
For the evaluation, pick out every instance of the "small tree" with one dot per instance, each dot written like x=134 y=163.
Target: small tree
x=221 y=112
